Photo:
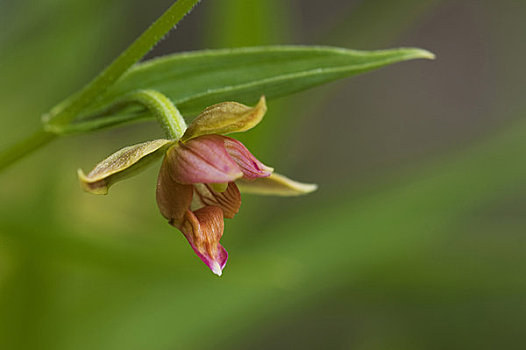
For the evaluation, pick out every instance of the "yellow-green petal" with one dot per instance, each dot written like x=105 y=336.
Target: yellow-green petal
x=225 y=118
x=275 y=185
x=122 y=164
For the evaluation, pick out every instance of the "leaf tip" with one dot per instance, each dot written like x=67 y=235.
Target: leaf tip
x=421 y=53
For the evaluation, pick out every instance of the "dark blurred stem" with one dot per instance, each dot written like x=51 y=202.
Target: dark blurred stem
x=24 y=147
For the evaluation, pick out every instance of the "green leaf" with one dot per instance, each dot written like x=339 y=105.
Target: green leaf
x=199 y=79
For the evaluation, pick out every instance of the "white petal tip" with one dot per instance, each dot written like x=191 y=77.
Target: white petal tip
x=216 y=268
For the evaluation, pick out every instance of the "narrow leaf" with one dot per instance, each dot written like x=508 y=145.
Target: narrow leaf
x=199 y=79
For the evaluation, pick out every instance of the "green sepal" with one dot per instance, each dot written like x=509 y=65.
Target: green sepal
x=275 y=185
x=122 y=164
x=226 y=118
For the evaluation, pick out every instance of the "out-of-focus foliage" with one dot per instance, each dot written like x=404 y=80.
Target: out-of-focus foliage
x=414 y=240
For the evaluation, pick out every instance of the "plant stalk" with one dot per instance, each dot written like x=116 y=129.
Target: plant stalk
x=162 y=108
x=67 y=111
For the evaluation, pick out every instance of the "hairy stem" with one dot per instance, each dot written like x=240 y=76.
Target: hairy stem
x=155 y=104
x=69 y=109
x=162 y=108
x=65 y=112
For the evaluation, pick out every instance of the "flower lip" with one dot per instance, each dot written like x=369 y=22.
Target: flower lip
x=229 y=200
x=203 y=229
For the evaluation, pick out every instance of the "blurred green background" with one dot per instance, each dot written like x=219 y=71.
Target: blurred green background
x=415 y=239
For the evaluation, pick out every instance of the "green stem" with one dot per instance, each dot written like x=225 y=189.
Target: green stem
x=25 y=147
x=164 y=110
x=67 y=111
x=155 y=103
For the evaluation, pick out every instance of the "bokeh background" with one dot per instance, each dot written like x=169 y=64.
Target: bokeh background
x=415 y=239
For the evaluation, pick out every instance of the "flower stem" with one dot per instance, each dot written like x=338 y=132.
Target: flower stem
x=69 y=109
x=162 y=108
x=25 y=147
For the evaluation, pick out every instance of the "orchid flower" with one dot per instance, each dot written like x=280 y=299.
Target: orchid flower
x=200 y=176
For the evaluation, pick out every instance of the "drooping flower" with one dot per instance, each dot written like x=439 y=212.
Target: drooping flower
x=198 y=182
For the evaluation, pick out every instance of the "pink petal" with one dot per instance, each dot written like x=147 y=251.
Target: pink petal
x=203 y=159
x=203 y=229
x=229 y=201
x=252 y=168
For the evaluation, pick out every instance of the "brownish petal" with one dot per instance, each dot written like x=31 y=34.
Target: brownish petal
x=203 y=229
x=229 y=200
x=203 y=159
x=173 y=198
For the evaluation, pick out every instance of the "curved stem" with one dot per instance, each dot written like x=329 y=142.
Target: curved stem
x=25 y=147
x=153 y=101
x=65 y=112
x=164 y=110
